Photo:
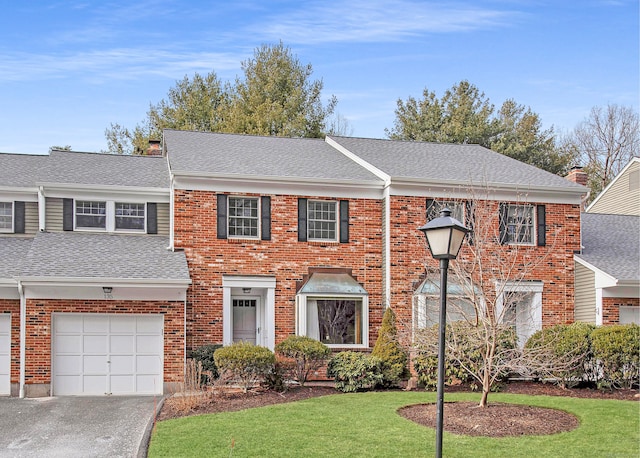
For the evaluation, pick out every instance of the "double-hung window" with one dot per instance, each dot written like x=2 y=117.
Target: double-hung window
x=106 y=216
x=91 y=214
x=130 y=217
x=6 y=216
x=520 y=224
x=244 y=217
x=434 y=207
x=321 y=220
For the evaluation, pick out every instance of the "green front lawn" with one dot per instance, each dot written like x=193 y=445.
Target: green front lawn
x=367 y=425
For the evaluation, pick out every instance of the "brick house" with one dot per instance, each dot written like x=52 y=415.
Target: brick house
x=111 y=277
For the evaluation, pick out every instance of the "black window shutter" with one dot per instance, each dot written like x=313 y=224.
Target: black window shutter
x=222 y=216
x=152 y=218
x=344 y=221
x=542 y=225
x=67 y=214
x=469 y=219
x=265 y=216
x=18 y=214
x=431 y=210
x=503 y=223
x=302 y=220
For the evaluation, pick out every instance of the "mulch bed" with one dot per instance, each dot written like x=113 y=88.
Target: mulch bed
x=497 y=420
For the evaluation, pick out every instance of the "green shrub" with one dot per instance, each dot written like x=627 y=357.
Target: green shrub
x=307 y=353
x=244 y=363
x=204 y=355
x=276 y=378
x=616 y=351
x=354 y=371
x=564 y=351
x=388 y=349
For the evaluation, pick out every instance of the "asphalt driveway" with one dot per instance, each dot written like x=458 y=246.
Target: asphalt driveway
x=75 y=426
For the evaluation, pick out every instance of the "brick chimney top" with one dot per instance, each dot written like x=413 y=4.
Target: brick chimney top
x=154 y=148
x=577 y=175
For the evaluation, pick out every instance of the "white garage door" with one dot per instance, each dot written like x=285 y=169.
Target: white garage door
x=5 y=354
x=107 y=354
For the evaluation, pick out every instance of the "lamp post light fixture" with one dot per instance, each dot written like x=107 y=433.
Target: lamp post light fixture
x=444 y=238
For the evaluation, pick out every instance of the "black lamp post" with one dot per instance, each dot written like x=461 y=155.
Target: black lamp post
x=444 y=237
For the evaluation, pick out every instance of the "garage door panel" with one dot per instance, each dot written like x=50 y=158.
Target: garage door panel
x=68 y=364
x=120 y=354
x=95 y=344
x=148 y=344
x=5 y=354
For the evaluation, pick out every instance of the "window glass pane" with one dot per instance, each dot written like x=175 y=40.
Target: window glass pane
x=243 y=217
x=6 y=215
x=90 y=214
x=459 y=308
x=520 y=223
x=335 y=321
x=321 y=220
x=457 y=209
x=130 y=216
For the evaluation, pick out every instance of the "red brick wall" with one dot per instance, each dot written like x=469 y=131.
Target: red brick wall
x=12 y=306
x=551 y=264
x=283 y=257
x=611 y=308
x=38 y=341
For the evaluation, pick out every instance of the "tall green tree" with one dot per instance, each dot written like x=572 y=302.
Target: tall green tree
x=465 y=115
x=276 y=96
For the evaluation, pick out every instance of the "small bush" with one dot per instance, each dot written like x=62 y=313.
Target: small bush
x=276 y=379
x=615 y=349
x=307 y=353
x=565 y=350
x=204 y=355
x=388 y=349
x=425 y=361
x=354 y=371
x=244 y=363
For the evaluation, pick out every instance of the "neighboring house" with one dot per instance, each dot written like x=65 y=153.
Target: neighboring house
x=608 y=266
x=116 y=266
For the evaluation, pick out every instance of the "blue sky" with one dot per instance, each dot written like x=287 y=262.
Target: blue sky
x=69 y=68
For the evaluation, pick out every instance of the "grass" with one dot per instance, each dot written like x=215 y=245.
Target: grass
x=367 y=425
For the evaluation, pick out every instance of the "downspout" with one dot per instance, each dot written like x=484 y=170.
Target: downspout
x=184 y=340
x=387 y=243
x=171 y=211
x=42 y=215
x=23 y=335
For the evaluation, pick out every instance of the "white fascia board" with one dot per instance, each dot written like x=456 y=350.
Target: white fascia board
x=21 y=194
x=457 y=189
x=283 y=186
x=602 y=279
x=604 y=191
x=9 y=289
x=247 y=281
x=112 y=282
x=131 y=193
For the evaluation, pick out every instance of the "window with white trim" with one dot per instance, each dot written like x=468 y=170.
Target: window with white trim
x=90 y=214
x=335 y=321
x=461 y=303
x=130 y=217
x=520 y=224
x=244 y=217
x=322 y=220
x=6 y=216
x=434 y=207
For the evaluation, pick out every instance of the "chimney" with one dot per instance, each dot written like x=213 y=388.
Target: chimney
x=154 y=148
x=577 y=175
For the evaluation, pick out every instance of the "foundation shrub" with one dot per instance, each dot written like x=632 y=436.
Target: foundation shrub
x=244 y=363
x=204 y=355
x=391 y=353
x=615 y=350
x=306 y=353
x=355 y=371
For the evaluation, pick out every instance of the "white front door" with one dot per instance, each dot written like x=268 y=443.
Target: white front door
x=5 y=354
x=96 y=354
x=245 y=315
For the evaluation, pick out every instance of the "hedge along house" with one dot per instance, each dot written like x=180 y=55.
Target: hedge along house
x=95 y=300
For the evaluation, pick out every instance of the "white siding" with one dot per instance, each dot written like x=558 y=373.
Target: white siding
x=585 y=295
x=621 y=198
x=53 y=218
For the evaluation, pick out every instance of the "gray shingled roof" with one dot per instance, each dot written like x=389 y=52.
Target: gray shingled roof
x=13 y=250
x=612 y=244
x=245 y=155
x=95 y=256
x=21 y=170
x=107 y=170
x=441 y=162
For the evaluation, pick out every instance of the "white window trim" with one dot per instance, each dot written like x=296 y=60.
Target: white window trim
x=535 y=287
x=336 y=221
x=534 y=229
x=419 y=305
x=259 y=230
x=301 y=316
x=13 y=217
x=110 y=217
